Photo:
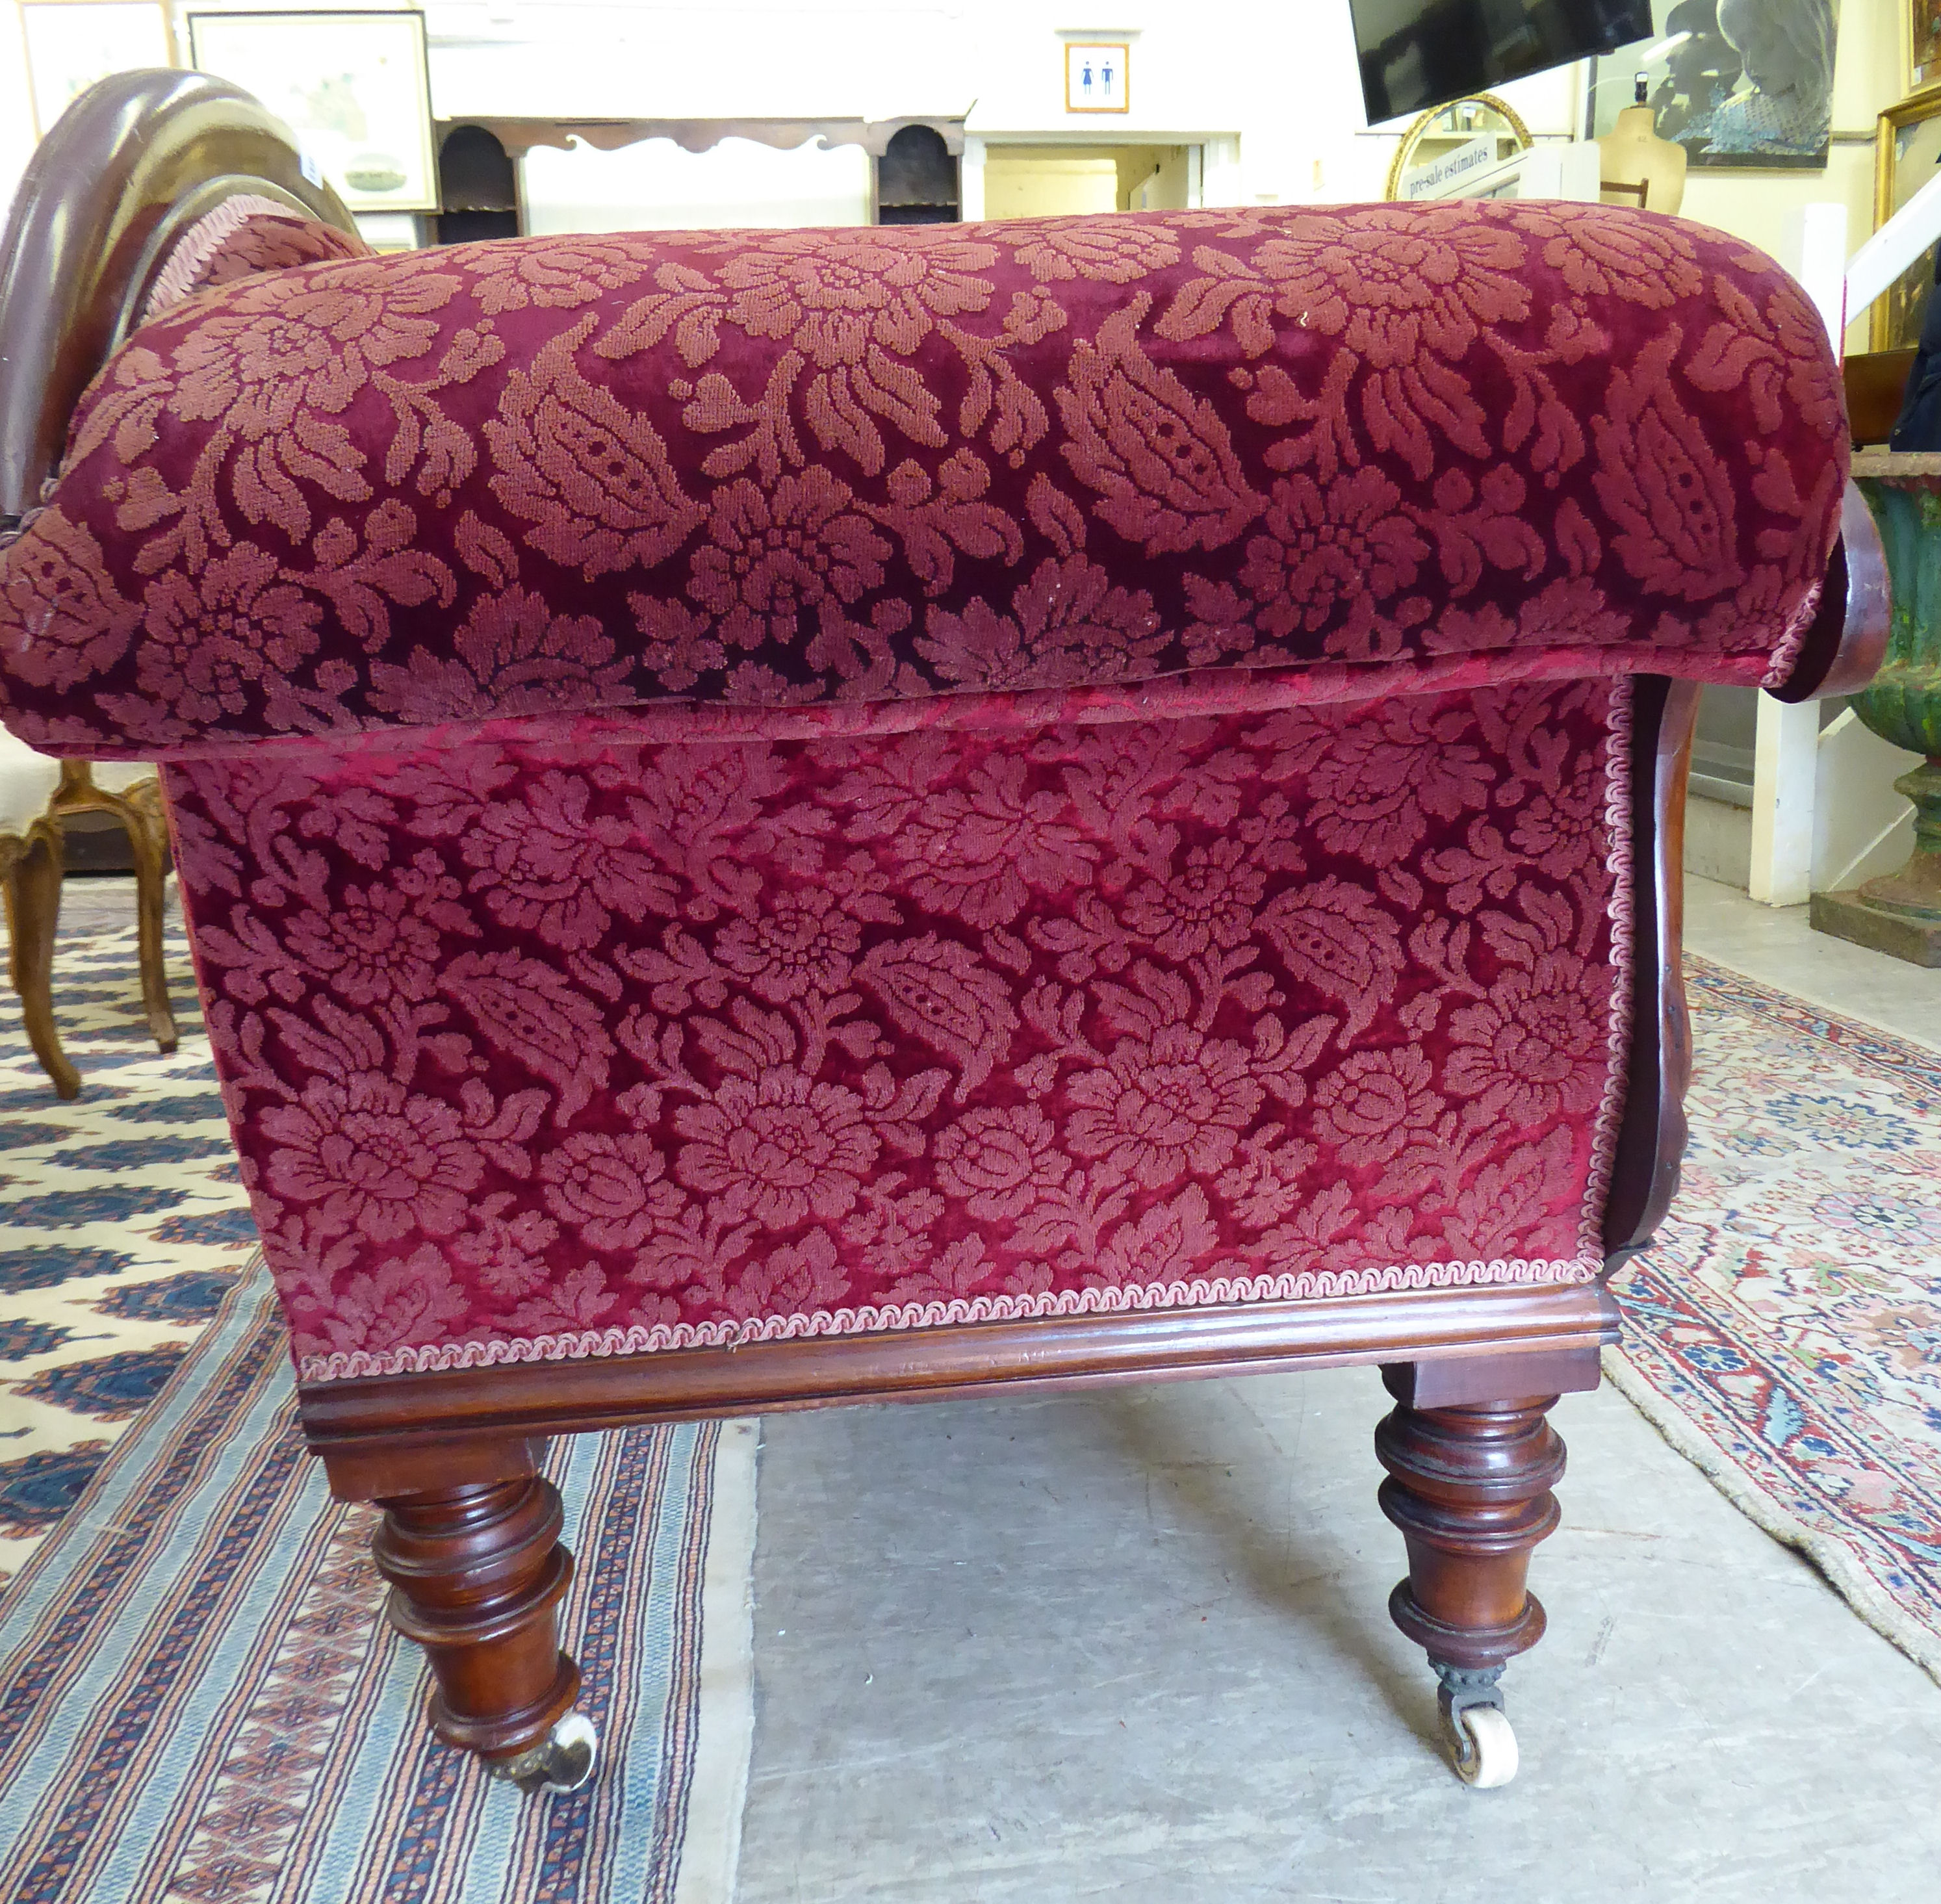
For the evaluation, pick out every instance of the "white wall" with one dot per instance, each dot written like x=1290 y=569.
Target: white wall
x=1268 y=88
x=656 y=186
x=627 y=59
x=1197 y=70
x=16 y=102
x=1029 y=181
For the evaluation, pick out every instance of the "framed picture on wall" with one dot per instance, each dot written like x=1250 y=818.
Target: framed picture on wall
x=1737 y=83
x=1907 y=147
x=1923 y=43
x=1096 y=76
x=352 y=86
x=71 y=44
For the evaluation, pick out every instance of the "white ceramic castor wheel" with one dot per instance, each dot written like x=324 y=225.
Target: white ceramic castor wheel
x=564 y=1761
x=1481 y=1746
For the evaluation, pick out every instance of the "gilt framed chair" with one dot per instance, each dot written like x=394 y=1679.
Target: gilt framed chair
x=771 y=820
x=31 y=866
x=38 y=793
x=129 y=792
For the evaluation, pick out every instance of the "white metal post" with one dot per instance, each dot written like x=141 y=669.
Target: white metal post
x=971 y=181
x=1786 y=761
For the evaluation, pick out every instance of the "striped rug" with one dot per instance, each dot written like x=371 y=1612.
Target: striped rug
x=200 y=1701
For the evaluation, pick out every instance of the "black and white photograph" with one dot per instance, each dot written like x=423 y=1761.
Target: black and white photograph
x=1745 y=83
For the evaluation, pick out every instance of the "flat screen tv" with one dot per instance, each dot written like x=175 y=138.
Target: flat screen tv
x=1422 y=53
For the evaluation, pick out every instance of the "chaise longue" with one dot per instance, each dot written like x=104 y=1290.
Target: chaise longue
x=773 y=819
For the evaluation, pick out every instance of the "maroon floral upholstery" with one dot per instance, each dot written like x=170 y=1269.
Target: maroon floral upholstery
x=565 y=474
x=607 y=1043
x=730 y=785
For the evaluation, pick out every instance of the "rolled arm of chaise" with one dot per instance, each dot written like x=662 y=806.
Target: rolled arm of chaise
x=1280 y=453
x=138 y=196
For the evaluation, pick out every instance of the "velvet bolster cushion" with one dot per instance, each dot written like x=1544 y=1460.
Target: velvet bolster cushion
x=1325 y=450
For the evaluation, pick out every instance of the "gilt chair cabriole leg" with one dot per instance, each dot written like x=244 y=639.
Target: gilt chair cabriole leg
x=1469 y=1486
x=148 y=839
x=477 y=1574
x=33 y=890
x=139 y=812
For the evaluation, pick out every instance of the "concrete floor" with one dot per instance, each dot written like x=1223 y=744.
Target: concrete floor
x=1136 y=1644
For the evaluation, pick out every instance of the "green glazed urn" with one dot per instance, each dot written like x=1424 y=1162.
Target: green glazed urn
x=1902 y=705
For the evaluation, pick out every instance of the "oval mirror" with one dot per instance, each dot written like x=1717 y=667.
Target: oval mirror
x=1481 y=131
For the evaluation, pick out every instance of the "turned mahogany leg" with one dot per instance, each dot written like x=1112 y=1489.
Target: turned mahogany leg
x=477 y=1573
x=33 y=889
x=1469 y=1482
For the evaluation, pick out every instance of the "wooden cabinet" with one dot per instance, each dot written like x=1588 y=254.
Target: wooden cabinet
x=917 y=179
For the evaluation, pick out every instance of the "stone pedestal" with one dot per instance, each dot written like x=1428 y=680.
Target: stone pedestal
x=1846 y=915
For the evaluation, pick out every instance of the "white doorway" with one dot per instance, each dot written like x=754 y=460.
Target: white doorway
x=1028 y=181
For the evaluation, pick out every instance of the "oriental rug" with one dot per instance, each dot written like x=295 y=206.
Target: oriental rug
x=1785 y=1332
x=199 y=1698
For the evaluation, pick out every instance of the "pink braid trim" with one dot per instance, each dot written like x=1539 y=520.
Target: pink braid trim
x=1786 y=656
x=1203 y=1293
x=1623 y=957
x=201 y=243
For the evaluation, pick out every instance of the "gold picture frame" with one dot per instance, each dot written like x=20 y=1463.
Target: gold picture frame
x=1907 y=147
x=353 y=84
x=1098 y=76
x=1923 y=43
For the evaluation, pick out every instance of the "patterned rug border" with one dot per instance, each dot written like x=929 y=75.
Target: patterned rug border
x=716 y=1791
x=1738 y=1484
x=1892 y=1050
x=123 y=1219
x=1900 y=1057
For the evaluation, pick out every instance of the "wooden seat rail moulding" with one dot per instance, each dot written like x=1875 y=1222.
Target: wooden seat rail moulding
x=362 y=1426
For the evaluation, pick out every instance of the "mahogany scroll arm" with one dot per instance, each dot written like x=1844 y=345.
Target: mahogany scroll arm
x=124 y=171
x=1842 y=653
x=1845 y=645
x=1651 y=1139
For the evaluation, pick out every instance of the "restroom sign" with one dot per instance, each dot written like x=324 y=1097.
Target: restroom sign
x=1095 y=76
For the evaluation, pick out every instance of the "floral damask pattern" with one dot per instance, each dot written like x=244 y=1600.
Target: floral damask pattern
x=555 y=475
x=978 y=770
x=598 y=1046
